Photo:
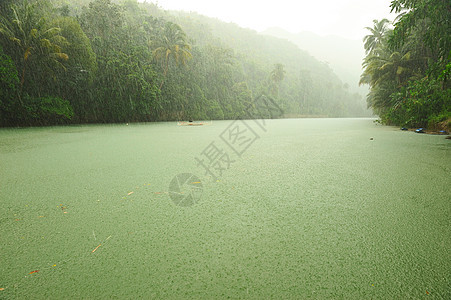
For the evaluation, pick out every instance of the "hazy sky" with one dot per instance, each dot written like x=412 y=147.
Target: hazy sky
x=345 y=18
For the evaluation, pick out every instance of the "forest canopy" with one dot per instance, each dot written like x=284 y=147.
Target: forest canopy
x=408 y=65
x=106 y=61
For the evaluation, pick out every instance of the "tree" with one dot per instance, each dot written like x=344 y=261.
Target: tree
x=38 y=46
x=171 y=44
x=75 y=81
x=277 y=75
x=125 y=81
x=5 y=7
x=102 y=22
x=305 y=85
x=431 y=14
x=375 y=40
x=385 y=71
x=36 y=49
x=387 y=66
x=9 y=82
x=406 y=68
x=110 y=63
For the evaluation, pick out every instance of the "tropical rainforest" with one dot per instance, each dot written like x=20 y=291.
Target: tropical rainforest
x=109 y=61
x=104 y=61
x=408 y=65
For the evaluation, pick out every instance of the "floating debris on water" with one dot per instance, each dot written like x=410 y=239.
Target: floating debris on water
x=96 y=248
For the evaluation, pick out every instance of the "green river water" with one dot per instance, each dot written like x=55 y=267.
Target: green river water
x=292 y=209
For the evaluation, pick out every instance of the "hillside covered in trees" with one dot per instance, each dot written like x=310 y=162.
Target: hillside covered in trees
x=343 y=55
x=105 y=61
x=408 y=67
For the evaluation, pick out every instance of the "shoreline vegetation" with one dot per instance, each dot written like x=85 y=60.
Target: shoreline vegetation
x=434 y=131
x=408 y=65
x=105 y=61
x=121 y=61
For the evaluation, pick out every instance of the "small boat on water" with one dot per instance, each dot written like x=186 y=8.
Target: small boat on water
x=420 y=130
x=192 y=123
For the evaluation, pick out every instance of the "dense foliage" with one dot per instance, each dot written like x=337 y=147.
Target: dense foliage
x=408 y=67
x=85 y=61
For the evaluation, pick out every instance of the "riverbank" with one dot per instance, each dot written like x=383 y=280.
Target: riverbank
x=426 y=131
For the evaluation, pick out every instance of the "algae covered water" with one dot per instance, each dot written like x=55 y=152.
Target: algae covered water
x=295 y=208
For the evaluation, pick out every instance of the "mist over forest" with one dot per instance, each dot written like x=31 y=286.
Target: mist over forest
x=106 y=61
x=124 y=61
x=344 y=56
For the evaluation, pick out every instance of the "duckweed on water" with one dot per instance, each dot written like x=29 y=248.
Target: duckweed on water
x=313 y=209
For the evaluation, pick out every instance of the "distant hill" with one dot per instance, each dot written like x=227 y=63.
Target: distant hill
x=310 y=86
x=270 y=49
x=149 y=63
x=344 y=56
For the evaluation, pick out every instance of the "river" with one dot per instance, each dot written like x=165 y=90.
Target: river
x=294 y=208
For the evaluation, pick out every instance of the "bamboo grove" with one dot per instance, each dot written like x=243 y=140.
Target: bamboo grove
x=407 y=65
x=104 y=61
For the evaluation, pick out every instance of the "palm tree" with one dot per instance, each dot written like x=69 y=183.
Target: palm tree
x=277 y=75
x=171 y=43
x=374 y=40
x=386 y=71
x=386 y=66
x=379 y=97
x=33 y=40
